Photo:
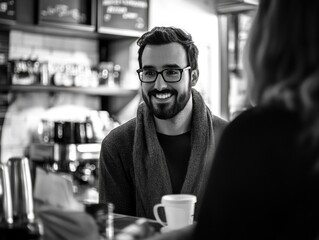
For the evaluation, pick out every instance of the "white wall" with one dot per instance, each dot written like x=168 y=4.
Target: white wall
x=56 y=49
x=198 y=17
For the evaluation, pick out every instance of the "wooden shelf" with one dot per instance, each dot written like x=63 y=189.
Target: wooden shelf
x=98 y=91
x=29 y=18
x=79 y=31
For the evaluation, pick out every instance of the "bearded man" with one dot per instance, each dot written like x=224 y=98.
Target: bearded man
x=168 y=148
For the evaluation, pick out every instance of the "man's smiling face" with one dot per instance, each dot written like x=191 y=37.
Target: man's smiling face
x=166 y=100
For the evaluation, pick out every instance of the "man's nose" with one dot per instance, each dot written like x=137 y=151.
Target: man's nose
x=160 y=84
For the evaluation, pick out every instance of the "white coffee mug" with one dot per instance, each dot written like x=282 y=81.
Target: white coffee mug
x=179 y=210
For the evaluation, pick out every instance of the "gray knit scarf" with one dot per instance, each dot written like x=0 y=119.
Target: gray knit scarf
x=150 y=169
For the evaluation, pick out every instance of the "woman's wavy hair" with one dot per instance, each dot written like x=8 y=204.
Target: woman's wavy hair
x=165 y=35
x=283 y=57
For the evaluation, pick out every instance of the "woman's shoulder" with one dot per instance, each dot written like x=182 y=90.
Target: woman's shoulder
x=265 y=116
x=260 y=122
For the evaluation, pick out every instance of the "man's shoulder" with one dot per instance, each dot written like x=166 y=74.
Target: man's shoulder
x=126 y=127
x=219 y=122
x=123 y=133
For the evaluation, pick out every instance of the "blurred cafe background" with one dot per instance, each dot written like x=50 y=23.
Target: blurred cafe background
x=68 y=72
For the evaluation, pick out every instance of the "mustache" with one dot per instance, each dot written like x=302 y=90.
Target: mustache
x=155 y=91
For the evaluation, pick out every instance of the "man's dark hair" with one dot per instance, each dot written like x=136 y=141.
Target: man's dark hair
x=165 y=35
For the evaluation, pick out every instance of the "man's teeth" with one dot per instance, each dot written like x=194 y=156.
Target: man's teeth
x=163 y=95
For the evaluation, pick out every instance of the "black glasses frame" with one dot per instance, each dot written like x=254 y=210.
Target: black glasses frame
x=139 y=71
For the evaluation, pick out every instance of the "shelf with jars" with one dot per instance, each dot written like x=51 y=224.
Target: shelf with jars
x=35 y=76
x=85 y=19
x=98 y=91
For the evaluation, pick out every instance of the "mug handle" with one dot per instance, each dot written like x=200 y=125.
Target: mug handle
x=157 y=217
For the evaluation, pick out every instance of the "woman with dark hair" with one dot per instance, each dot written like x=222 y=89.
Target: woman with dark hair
x=264 y=182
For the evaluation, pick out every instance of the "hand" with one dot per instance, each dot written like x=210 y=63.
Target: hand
x=141 y=229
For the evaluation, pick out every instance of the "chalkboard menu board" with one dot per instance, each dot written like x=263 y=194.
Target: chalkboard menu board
x=124 y=17
x=67 y=13
x=7 y=10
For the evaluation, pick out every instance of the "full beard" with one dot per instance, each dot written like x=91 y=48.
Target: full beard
x=166 y=110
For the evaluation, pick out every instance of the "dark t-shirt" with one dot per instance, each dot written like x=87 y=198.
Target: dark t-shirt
x=177 y=151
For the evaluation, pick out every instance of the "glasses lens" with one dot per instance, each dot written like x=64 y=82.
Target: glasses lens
x=172 y=75
x=148 y=75
x=169 y=75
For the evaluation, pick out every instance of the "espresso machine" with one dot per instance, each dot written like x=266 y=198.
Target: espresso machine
x=80 y=160
x=70 y=148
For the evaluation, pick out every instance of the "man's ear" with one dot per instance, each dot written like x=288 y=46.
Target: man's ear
x=194 y=77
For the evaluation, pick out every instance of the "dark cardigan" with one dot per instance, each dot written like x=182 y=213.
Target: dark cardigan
x=134 y=188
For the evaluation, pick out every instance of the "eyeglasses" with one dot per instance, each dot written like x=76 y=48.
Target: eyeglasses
x=170 y=75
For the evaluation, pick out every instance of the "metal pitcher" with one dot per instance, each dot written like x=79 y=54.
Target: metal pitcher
x=18 y=205
x=6 y=214
x=21 y=189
